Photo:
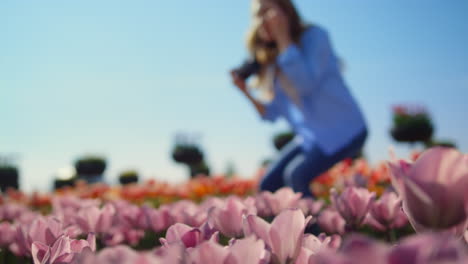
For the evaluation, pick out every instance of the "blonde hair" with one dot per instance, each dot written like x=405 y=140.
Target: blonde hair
x=266 y=54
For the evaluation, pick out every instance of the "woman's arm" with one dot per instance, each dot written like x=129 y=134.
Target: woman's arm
x=266 y=111
x=305 y=65
x=261 y=109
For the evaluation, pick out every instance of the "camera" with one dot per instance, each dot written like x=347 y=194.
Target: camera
x=248 y=68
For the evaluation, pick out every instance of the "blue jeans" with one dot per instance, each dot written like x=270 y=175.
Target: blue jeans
x=296 y=168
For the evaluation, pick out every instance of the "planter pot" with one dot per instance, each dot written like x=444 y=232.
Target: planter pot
x=96 y=178
x=413 y=132
x=60 y=183
x=187 y=155
x=90 y=166
x=128 y=179
x=199 y=169
x=9 y=178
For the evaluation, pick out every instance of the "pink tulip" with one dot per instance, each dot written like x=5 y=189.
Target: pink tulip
x=387 y=211
x=283 y=236
x=44 y=230
x=228 y=219
x=207 y=252
x=355 y=250
x=374 y=224
x=429 y=249
x=187 y=212
x=330 y=221
x=332 y=242
x=122 y=234
x=7 y=234
x=74 y=203
x=182 y=234
x=310 y=206
x=93 y=219
x=63 y=250
x=11 y=211
x=329 y=257
x=158 y=219
x=248 y=250
x=304 y=256
x=127 y=214
x=353 y=204
x=433 y=188
x=271 y=204
x=312 y=245
x=208 y=231
x=117 y=255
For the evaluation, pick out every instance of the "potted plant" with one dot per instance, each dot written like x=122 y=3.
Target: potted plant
x=61 y=183
x=128 y=177
x=9 y=177
x=90 y=168
x=199 y=169
x=192 y=156
x=411 y=124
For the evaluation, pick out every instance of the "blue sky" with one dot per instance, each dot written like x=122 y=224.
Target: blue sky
x=120 y=78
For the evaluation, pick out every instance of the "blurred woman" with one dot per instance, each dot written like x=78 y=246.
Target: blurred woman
x=299 y=80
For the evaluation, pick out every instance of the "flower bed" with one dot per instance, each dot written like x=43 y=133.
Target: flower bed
x=354 y=224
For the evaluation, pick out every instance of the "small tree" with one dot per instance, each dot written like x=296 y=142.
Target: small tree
x=61 y=183
x=128 y=177
x=190 y=154
x=9 y=174
x=91 y=168
x=413 y=124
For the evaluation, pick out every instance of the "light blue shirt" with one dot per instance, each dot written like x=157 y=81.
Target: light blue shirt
x=329 y=115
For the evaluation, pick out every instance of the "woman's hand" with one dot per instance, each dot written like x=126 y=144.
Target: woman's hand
x=238 y=81
x=278 y=25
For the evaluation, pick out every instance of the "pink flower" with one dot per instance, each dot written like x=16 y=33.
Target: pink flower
x=45 y=230
x=271 y=204
x=353 y=204
x=433 y=188
x=183 y=234
x=330 y=221
x=387 y=211
x=429 y=248
x=122 y=255
x=332 y=242
x=187 y=212
x=11 y=211
x=93 y=219
x=355 y=250
x=158 y=219
x=312 y=245
x=310 y=206
x=207 y=252
x=63 y=250
x=74 y=203
x=283 y=236
x=358 y=248
x=248 y=250
x=228 y=219
x=7 y=234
